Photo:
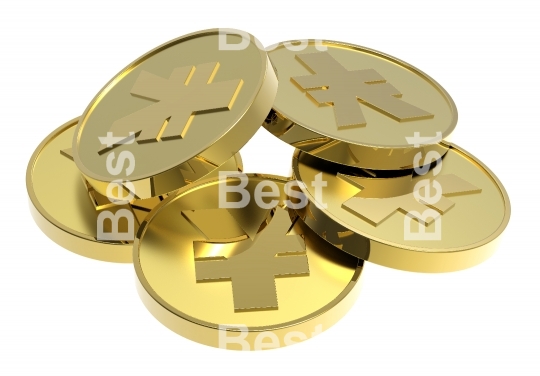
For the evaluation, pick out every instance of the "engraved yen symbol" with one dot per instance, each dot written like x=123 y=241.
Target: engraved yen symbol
x=188 y=91
x=275 y=252
x=375 y=210
x=332 y=84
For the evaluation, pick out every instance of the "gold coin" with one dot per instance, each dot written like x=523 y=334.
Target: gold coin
x=67 y=209
x=438 y=220
x=243 y=278
x=189 y=104
x=355 y=106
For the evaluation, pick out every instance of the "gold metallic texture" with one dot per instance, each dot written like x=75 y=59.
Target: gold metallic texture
x=272 y=288
x=182 y=109
x=383 y=217
x=356 y=106
x=66 y=207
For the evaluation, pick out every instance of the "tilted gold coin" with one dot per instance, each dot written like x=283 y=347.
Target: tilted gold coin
x=444 y=219
x=356 y=106
x=244 y=278
x=188 y=105
x=66 y=208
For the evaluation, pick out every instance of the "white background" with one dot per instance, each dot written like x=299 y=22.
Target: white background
x=61 y=313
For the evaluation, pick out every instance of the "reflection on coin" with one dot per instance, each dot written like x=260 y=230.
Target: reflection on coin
x=356 y=106
x=66 y=208
x=243 y=278
x=395 y=221
x=186 y=105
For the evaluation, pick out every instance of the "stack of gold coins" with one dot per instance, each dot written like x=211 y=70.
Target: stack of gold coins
x=151 y=174
x=81 y=218
x=383 y=182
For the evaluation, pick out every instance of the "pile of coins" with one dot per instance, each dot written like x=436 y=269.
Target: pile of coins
x=151 y=174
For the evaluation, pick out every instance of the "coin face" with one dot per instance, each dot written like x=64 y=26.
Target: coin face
x=186 y=102
x=242 y=278
x=67 y=209
x=356 y=106
x=444 y=219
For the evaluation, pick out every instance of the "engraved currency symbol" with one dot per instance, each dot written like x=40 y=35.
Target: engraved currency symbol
x=332 y=84
x=275 y=252
x=374 y=210
x=188 y=91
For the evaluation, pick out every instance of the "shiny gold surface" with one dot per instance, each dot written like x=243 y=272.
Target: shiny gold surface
x=190 y=86
x=341 y=88
x=187 y=103
x=356 y=106
x=275 y=252
x=284 y=279
x=65 y=207
x=365 y=215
